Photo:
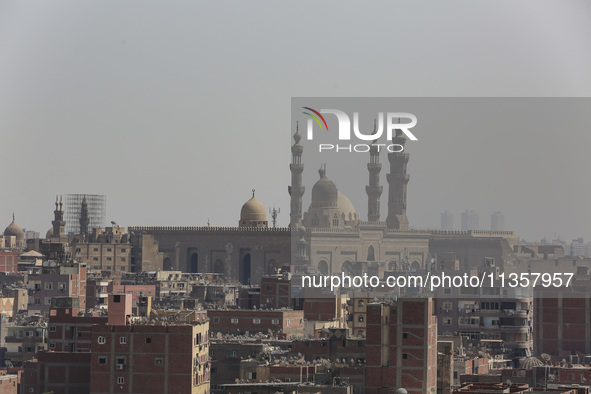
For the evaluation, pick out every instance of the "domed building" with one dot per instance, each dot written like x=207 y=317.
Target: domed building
x=329 y=207
x=14 y=230
x=253 y=214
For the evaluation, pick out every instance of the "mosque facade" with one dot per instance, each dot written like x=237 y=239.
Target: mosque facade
x=329 y=237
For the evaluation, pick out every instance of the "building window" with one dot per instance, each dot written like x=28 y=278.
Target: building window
x=233 y=353
x=360 y=304
x=109 y=259
x=234 y=320
x=404 y=335
x=120 y=380
x=102 y=360
x=52 y=345
x=123 y=250
x=360 y=318
x=335 y=220
x=123 y=340
x=159 y=361
x=48 y=285
x=101 y=340
x=37 y=301
x=121 y=360
x=95 y=259
x=404 y=356
x=275 y=321
x=446 y=321
x=315 y=220
x=77 y=250
x=216 y=320
x=96 y=249
x=51 y=328
x=123 y=259
x=117 y=298
x=148 y=340
x=47 y=300
x=287 y=322
x=256 y=321
x=109 y=250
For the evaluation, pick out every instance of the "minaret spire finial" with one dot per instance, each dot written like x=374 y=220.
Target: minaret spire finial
x=13 y=217
x=253 y=192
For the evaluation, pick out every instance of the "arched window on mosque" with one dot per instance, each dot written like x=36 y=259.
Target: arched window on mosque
x=315 y=220
x=335 y=220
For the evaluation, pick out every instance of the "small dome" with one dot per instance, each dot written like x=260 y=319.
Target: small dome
x=530 y=362
x=346 y=207
x=401 y=391
x=324 y=192
x=15 y=230
x=49 y=233
x=253 y=209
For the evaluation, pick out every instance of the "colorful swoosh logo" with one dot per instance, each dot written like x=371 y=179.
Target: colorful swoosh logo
x=316 y=118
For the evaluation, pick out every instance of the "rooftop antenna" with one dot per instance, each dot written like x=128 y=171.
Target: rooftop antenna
x=274 y=213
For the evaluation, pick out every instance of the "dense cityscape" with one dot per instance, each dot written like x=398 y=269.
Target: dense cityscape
x=90 y=308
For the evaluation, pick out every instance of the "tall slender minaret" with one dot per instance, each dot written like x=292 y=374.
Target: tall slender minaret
x=58 y=222
x=374 y=189
x=397 y=180
x=84 y=219
x=296 y=190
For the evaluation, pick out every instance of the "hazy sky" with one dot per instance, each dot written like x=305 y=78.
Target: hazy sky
x=176 y=110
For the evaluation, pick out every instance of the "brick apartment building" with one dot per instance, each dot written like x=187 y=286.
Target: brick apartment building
x=8 y=261
x=276 y=291
x=562 y=325
x=8 y=383
x=233 y=321
x=401 y=346
x=57 y=372
x=150 y=359
x=68 y=332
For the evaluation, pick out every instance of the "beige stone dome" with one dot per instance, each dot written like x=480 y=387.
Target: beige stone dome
x=15 y=230
x=49 y=233
x=530 y=362
x=329 y=207
x=253 y=209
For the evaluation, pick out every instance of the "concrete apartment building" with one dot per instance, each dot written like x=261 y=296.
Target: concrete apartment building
x=107 y=250
x=53 y=280
x=401 y=346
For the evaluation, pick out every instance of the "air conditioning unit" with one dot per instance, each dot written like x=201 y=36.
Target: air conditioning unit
x=119 y=366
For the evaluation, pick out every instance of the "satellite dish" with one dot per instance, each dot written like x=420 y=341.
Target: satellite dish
x=545 y=356
x=8 y=364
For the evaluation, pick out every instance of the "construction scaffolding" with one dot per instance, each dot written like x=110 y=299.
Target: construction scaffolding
x=97 y=211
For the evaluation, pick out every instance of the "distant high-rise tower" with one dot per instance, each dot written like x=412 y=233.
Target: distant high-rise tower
x=447 y=220
x=497 y=221
x=374 y=189
x=296 y=190
x=469 y=220
x=397 y=180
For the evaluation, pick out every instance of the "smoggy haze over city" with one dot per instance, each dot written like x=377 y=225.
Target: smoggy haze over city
x=176 y=112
